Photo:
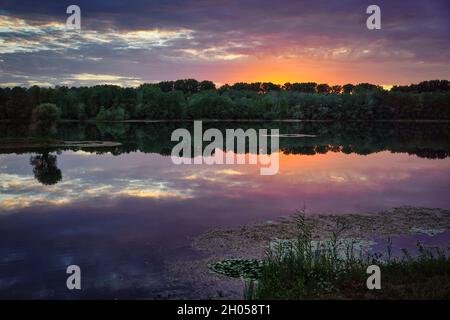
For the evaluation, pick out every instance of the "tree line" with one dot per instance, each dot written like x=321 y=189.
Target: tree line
x=192 y=99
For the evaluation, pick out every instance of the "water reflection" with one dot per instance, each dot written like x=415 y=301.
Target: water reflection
x=424 y=139
x=45 y=168
x=124 y=213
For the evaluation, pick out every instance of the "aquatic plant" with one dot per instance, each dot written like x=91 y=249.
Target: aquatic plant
x=238 y=268
x=309 y=269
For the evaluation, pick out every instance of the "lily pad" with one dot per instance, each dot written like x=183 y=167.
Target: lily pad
x=238 y=268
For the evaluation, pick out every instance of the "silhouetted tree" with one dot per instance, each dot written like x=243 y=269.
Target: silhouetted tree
x=305 y=87
x=207 y=85
x=336 y=89
x=188 y=86
x=166 y=86
x=366 y=87
x=348 y=88
x=323 y=88
x=269 y=86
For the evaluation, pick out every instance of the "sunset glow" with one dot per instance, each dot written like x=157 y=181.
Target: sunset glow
x=226 y=42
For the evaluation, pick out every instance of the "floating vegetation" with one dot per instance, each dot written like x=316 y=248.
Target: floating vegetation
x=337 y=268
x=238 y=268
x=429 y=232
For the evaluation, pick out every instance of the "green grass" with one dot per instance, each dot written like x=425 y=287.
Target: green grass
x=307 y=269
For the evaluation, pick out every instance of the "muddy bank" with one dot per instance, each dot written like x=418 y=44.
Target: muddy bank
x=251 y=241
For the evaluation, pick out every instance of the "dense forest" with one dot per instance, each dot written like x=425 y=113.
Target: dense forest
x=192 y=99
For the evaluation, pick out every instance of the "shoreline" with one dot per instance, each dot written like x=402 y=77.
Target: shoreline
x=241 y=120
x=32 y=144
x=250 y=241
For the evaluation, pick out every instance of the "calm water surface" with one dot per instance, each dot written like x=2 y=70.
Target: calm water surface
x=123 y=214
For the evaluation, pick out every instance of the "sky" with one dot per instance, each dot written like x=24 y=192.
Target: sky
x=132 y=42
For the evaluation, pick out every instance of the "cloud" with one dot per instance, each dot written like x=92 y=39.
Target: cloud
x=165 y=40
x=212 y=54
x=19 y=191
x=82 y=79
x=18 y=35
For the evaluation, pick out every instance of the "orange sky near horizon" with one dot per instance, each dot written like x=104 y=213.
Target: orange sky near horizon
x=225 y=42
x=280 y=71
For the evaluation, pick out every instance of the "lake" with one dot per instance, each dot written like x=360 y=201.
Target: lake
x=123 y=214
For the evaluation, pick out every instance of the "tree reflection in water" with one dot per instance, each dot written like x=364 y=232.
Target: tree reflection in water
x=45 y=168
